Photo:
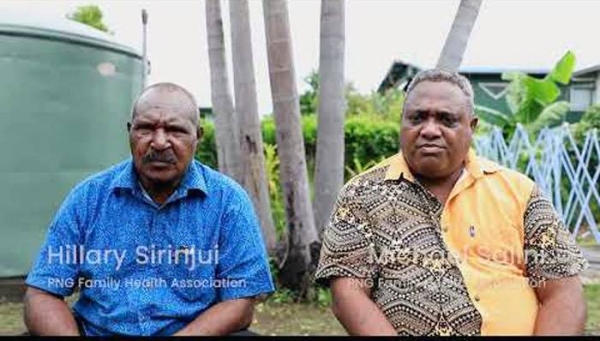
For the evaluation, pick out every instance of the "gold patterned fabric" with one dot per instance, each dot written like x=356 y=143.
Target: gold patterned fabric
x=425 y=261
x=550 y=249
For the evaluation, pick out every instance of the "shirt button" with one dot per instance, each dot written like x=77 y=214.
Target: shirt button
x=444 y=228
x=476 y=297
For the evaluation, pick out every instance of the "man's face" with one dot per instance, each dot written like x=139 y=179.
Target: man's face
x=163 y=137
x=437 y=127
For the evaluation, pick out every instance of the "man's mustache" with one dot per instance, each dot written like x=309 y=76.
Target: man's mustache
x=155 y=156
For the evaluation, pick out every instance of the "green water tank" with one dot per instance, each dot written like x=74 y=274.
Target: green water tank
x=66 y=92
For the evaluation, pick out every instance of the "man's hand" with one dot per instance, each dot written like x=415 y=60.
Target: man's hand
x=353 y=307
x=223 y=318
x=562 y=307
x=46 y=314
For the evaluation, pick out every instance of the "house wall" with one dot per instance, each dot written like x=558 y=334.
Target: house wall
x=597 y=91
x=483 y=97
x=587 y=83
x=497 y=100
x=492 y=96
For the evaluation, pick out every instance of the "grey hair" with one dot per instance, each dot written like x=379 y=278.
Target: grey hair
x=172 y=87
x=439 y=75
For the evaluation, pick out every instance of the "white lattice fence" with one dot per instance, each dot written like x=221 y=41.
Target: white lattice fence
x=567 y=172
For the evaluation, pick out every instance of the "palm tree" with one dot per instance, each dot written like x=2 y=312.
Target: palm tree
x=250 y=137
x=301 y=234
x=329 y=169
x=226 y=128
x=458 y=37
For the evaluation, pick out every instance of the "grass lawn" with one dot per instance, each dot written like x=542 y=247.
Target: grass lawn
x=592 y=297
x=11 y=319
x=269 y=319
x=294 y=319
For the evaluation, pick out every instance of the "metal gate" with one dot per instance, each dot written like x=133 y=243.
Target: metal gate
x=566 y=171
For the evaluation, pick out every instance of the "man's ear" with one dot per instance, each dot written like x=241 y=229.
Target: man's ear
x=473 y=123
x=199 y=132
x=128 y=127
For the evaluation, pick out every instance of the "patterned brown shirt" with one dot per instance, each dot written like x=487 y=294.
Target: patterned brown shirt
x=468 y=267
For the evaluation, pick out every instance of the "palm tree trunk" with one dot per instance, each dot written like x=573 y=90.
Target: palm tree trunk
x=226 y=128
x=329 y=169
x=302 y=234
x=458 y=37
x=250 y=138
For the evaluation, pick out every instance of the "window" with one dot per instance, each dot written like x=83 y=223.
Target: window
x=581 y=96
x=495 y=90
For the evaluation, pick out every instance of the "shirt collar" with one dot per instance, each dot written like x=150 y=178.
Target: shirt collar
x=192 y=180
x=474 y=165
x=126 y=179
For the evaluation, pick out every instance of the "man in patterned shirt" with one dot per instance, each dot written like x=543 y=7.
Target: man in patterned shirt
x=438 y=241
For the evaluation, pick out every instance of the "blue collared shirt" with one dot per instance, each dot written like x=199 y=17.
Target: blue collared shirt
x=146 y=269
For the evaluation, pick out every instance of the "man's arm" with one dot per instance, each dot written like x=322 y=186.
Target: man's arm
x=562 y=307
x=353 y=307
x=242 y=258
x=556 y=264
x=45 y=311
x=223 y=318
x=46 y=314
x=346 y=264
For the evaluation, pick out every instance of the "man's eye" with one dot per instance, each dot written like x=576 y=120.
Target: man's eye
x=143 y=130
x=416 y=118
x=177 y=130
x=448 y=121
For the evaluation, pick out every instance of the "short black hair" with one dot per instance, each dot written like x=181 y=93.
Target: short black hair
x=173 y=88
x=439 y=75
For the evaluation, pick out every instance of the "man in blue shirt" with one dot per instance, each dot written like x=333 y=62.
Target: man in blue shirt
x=158 y=244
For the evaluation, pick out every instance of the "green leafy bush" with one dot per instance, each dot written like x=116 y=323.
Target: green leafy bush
x=275 y=190
x=207 y=147
x=532 y=102
x=367 y=140
x=90 y=15
x=283 y=296
x=590 y=120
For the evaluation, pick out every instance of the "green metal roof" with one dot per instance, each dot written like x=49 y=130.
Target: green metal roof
x=61 y=29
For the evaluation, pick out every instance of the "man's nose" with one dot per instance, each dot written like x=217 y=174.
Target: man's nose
x=160 y=140
x=431 y=130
